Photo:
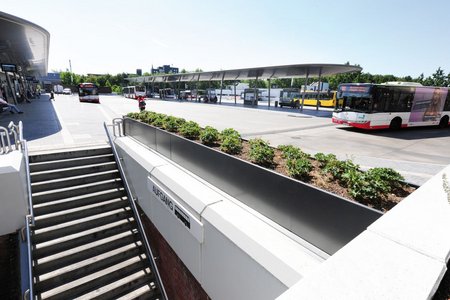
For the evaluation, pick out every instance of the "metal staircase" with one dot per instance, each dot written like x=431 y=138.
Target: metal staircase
x=87 y=240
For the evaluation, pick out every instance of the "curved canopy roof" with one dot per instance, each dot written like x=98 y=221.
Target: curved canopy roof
x=24 y=44
x=287 y=71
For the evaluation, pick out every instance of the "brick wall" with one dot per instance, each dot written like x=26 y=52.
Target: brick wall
x=178 y=281
x=9 y=267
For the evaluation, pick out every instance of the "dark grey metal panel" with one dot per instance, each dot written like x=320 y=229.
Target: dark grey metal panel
x=141 y=132
x=323 y=219
x=163 y=142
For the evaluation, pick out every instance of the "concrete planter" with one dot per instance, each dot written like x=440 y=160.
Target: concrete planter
x=325 y=220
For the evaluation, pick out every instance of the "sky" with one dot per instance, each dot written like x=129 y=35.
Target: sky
x=395 y=37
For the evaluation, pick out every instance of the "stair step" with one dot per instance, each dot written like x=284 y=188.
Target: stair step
x=51 y=283
x=129 y=287
x=42 y=252
x=57 y=174
x=100 y=281
x=69 y=163
x=66 y=205
x=85 y=254
x=58 y=184
x=75 y=192
x=67 y=217
x=79 y=227
x=69 y=154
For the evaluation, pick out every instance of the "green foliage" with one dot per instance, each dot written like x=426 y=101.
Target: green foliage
x=231 y=141
x=260 y=152
x=157 y=120
x=133 y=115
x=209 y=135
x=386 y=176
x=289 y=151
x=190 y=130
x=299 y=167
x=324 y=159
x=172 y=124
x=229 y=131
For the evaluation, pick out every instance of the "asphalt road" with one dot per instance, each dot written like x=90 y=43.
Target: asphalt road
x=417 y=153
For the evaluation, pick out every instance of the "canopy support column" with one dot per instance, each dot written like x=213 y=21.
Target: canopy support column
x=268 y=81
x=319 y=88
x=221 y=88
x=234 y=85
x=256 y=92
x=304 y=89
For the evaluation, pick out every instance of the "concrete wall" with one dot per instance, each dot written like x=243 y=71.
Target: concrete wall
x=13 y=198
x=231 y=250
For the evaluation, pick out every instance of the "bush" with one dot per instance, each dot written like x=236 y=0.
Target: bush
x=172 y=123
x=289 y=151
x=260 y=152
x=190 y=130
x=209 y=135
x=231 y=141
x=133 y=115
x=391 y=178
x=324 y=159
x=229 y=132
x=158 y=120
x=299 y=167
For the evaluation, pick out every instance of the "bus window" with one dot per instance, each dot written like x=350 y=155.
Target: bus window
x=447 y=102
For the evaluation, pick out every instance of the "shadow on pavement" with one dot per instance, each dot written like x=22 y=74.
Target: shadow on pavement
x=39 y=118
x=411 y=133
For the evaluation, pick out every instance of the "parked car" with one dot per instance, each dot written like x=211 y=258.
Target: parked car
x=67 y=91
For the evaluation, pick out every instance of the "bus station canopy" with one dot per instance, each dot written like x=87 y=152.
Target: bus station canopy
x=23 y=44
x=271 y=72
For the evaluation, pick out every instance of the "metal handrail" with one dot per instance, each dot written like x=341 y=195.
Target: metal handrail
x=30 y=290
x=135 y=210
x=5 y=146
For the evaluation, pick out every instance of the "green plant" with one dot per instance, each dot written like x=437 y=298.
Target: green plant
x=229 y=132
x=231 y=141
x=391 y=178
x=324 y=159
x=209 y=135
x=289 y=151
x=133 y=115
x=260 y=152
x=158 y=121
x=172 y=124
x=299 y=167
x=190 y=130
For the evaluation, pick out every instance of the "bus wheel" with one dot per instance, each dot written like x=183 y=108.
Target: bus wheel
x=444 y=122
x=396 y=124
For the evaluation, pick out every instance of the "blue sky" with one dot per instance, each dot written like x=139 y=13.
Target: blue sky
x=110 y=36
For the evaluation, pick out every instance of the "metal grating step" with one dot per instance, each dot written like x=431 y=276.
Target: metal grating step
x=57 y=174
x=69 y=154
x=84 y=201
x=54 y=234
x=73 y=181
x=76 y=191
x=69 y=163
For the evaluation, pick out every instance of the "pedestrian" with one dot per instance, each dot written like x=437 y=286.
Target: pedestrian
x=12 y=108
x=52 y=96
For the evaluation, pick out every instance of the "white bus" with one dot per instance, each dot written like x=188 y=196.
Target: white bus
x=134 y=92
x=88 y=92
x=392 y=105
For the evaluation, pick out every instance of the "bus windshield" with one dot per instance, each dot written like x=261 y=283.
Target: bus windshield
x=87 y=91
x=140 y=88
x=354 y=98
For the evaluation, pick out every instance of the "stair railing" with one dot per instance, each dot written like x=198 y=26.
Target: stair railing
x=21 y=144
x=131 y=199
